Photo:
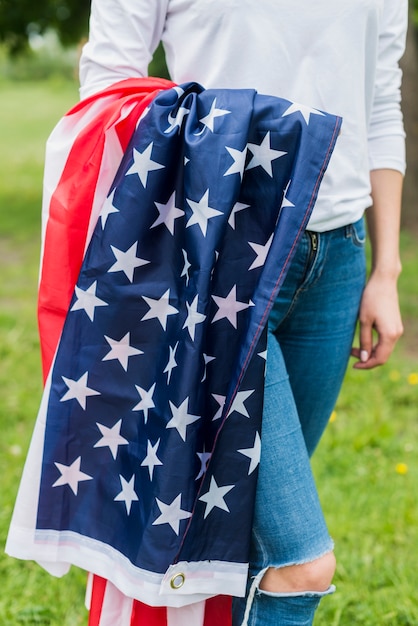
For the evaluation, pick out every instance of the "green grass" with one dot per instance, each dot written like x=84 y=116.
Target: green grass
x=28 y=595
x=367 y=472
x=370 y=505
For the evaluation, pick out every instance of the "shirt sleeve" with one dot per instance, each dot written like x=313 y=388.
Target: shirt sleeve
x=386 y=132
x=123 y=36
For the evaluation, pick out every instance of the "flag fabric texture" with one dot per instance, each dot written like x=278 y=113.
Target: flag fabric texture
x=171 y=214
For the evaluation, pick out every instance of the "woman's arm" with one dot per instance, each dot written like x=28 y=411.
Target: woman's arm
x=123 y=36
x=379 y=316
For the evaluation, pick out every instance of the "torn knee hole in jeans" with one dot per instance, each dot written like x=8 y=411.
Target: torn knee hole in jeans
x=258 y=578
x=255 y=589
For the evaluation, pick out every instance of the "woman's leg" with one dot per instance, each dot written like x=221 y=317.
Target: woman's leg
x=291 y=556
x=316 y=333
x=310 y=335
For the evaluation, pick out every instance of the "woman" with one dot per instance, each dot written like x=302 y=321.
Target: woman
x=339 y=57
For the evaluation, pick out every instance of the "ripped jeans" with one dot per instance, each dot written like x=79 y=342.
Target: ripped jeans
x=311 y=330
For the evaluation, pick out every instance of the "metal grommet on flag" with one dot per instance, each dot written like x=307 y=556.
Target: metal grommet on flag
x=177 y=581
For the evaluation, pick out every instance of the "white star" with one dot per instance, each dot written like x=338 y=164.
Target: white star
x=204 y=460
x=238 y=206
x=107 y=209
x=238 y=403
x=181 y=418
x=127 y=495
x=171 y=514
x=121 y=350
x=261 y=252
x=71 y=475
x=207 y=359
x=146 y=401
x=143 y=164
x=160 y=309
x=253 y=454
x=151 y=460
x=111 y=437
x=177 y=120
x=285 y=201
x=172 y=363
x=168 y=213
x=264 y=155
x=126 y=262
x=304 y=110
x=215 y=497
x=221 y=401
x=193 y=317
x=202 y=212
x=186 y=267
x=263 y=355
x=179 y=91
x=229 y=307
x=238 y=165
x=78 y=390
x=87 y=300
x=209 y=119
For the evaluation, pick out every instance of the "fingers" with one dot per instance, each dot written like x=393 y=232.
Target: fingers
x=380 y=323
x=372 y=354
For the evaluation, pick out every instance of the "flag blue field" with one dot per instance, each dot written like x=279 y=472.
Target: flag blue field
x=144 y=460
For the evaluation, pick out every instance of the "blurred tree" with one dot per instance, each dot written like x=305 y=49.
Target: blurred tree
x=409 y=65
x=414 y=10
x=158 y=65
x=20 y=19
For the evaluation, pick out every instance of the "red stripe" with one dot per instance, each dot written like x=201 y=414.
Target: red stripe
x=71 y=204
x=217 y=610
x=97 y=595
x=217 y=613
x=144 y=615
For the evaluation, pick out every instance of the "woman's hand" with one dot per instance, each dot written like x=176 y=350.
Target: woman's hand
x=380 y=322
x=379 y=316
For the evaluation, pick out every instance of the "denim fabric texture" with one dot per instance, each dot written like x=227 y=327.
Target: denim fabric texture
x=311 y=329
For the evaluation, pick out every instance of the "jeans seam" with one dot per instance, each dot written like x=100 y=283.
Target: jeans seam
x=260 y=544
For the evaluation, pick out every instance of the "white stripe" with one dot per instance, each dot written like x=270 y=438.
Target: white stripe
x=26 y=505
x=89 y=591
x=58 y=147
x=111 y=159
x=53 y=550
x=192 y=615
x=116 y=608
x=112 y=156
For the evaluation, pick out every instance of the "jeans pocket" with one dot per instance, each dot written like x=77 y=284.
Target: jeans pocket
x=357 y=233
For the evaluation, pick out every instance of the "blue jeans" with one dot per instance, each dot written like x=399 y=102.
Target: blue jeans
x=311 y=328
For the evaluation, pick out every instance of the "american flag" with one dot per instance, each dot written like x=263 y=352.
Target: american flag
x=171 y=215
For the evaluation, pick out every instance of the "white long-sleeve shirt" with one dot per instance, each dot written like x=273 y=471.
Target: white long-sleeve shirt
x=340 y=56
